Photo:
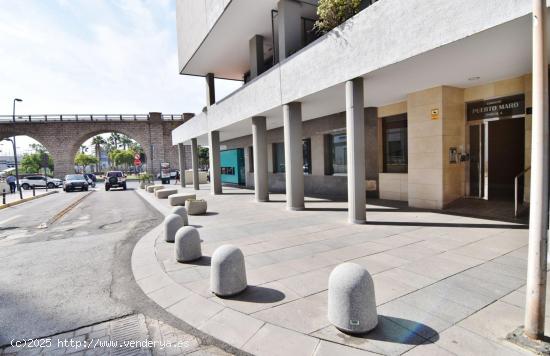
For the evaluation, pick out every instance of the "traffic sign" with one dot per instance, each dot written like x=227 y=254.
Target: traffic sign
x=137 y=156
x=137 y=162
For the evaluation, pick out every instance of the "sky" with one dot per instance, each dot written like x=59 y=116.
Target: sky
x=94 y=57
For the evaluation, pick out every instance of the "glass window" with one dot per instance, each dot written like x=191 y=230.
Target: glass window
x=278 y=157
x=307 y=155
x=394 y=134
x=251 y=159
x=336 y=154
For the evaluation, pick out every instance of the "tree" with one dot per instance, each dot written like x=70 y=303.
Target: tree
x=332 y=13
x=31 y=163
x=114 y=140
x=126 y=142
x=83 y=159
x=203 y=157
x=36 y=147
x=119 y=157
x=98 y=141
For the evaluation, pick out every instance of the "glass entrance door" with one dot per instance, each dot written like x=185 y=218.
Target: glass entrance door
x=478 y=164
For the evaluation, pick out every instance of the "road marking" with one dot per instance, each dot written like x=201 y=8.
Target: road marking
x=10 y=219
x=62 y=213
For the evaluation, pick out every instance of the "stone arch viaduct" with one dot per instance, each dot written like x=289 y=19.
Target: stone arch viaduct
x=62 y=135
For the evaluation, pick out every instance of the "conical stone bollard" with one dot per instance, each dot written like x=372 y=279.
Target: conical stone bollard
x=188 y=244
x=351 y=299
x=181 y=211
x=172 y=223
x=228 y=273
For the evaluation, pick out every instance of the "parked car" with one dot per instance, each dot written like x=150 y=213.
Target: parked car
x=115 y=179
x=75 y=181
x=39 y=181
x=91 y=178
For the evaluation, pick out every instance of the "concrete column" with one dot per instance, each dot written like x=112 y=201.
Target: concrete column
x=294 y=159
x=195 y=163
x=290 y=27
x=538 y=217
x=256 y=56
x=259 y=142
x=210 y=90
x=355 y=132
x=181 y=161
x=215 y=169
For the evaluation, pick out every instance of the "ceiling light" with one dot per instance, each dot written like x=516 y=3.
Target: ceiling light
x=473 y=78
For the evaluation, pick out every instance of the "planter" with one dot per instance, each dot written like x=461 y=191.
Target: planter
x=196 y=207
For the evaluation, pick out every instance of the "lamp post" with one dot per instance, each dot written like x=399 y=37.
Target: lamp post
x=15 y=152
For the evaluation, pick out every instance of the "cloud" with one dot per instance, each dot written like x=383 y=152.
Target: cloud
x=96 y=56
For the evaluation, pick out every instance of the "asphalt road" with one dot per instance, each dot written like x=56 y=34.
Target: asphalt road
x=76 y=271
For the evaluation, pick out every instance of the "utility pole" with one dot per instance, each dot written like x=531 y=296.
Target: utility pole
x=538 y=217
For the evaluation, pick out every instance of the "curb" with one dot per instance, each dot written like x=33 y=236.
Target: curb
x=24 y=200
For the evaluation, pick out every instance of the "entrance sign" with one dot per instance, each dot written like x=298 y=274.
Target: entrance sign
x=508 y=106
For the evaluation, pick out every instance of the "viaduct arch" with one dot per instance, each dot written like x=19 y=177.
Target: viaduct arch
x=62 y=136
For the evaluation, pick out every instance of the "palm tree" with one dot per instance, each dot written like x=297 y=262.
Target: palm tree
x=98 y=141
x=114 y=139
x=125 y=141
x=83 y=149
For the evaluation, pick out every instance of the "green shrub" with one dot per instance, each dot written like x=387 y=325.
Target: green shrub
x=332 y=13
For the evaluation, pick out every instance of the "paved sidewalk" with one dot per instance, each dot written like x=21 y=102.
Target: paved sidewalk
x=444 y=284
x=27 y=194
x=131 y=335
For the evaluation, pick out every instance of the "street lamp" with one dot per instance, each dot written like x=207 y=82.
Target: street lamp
x=15 y=152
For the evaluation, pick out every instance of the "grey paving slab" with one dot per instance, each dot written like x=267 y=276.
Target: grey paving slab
x=232 y=327
x=427 y=279
x=388 y=338
x=463 y=342
x=442 y=308
x=304 y=315
x=326 y=348
x=274 y=341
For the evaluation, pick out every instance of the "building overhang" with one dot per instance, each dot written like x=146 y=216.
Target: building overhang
x=496 y=50
x=224 y=49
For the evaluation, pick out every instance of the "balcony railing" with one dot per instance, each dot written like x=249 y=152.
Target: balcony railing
x=84 y=118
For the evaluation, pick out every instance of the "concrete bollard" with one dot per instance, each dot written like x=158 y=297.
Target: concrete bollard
x=188 y=244
x=228 y=273
x=181 y=211
x=351 y=299
x=172 y=223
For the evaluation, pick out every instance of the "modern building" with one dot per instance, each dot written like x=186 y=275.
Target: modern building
x=427 y=102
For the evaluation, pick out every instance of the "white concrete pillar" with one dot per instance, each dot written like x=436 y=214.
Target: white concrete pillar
x=215 y=169
x=195 y=163
x=294 y=159
x=538 y=216
x=289 y=27
x=259 y=142
x=181 y=161
x=256 y=49
x=355 y=132
x=210 y=90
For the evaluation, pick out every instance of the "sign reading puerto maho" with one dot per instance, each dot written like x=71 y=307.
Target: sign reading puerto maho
x=508 y=106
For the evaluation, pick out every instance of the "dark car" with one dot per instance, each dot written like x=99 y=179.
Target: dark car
x=91 y=177
x=74 y=182
x=115 y=179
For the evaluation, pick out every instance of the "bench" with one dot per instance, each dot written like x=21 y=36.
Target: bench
x=180 y=199
x=165 y=193
x=152 y=188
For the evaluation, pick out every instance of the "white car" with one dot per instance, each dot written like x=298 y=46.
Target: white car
x=39 y=181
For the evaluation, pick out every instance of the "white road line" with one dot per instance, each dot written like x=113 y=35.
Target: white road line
x=10 y=219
